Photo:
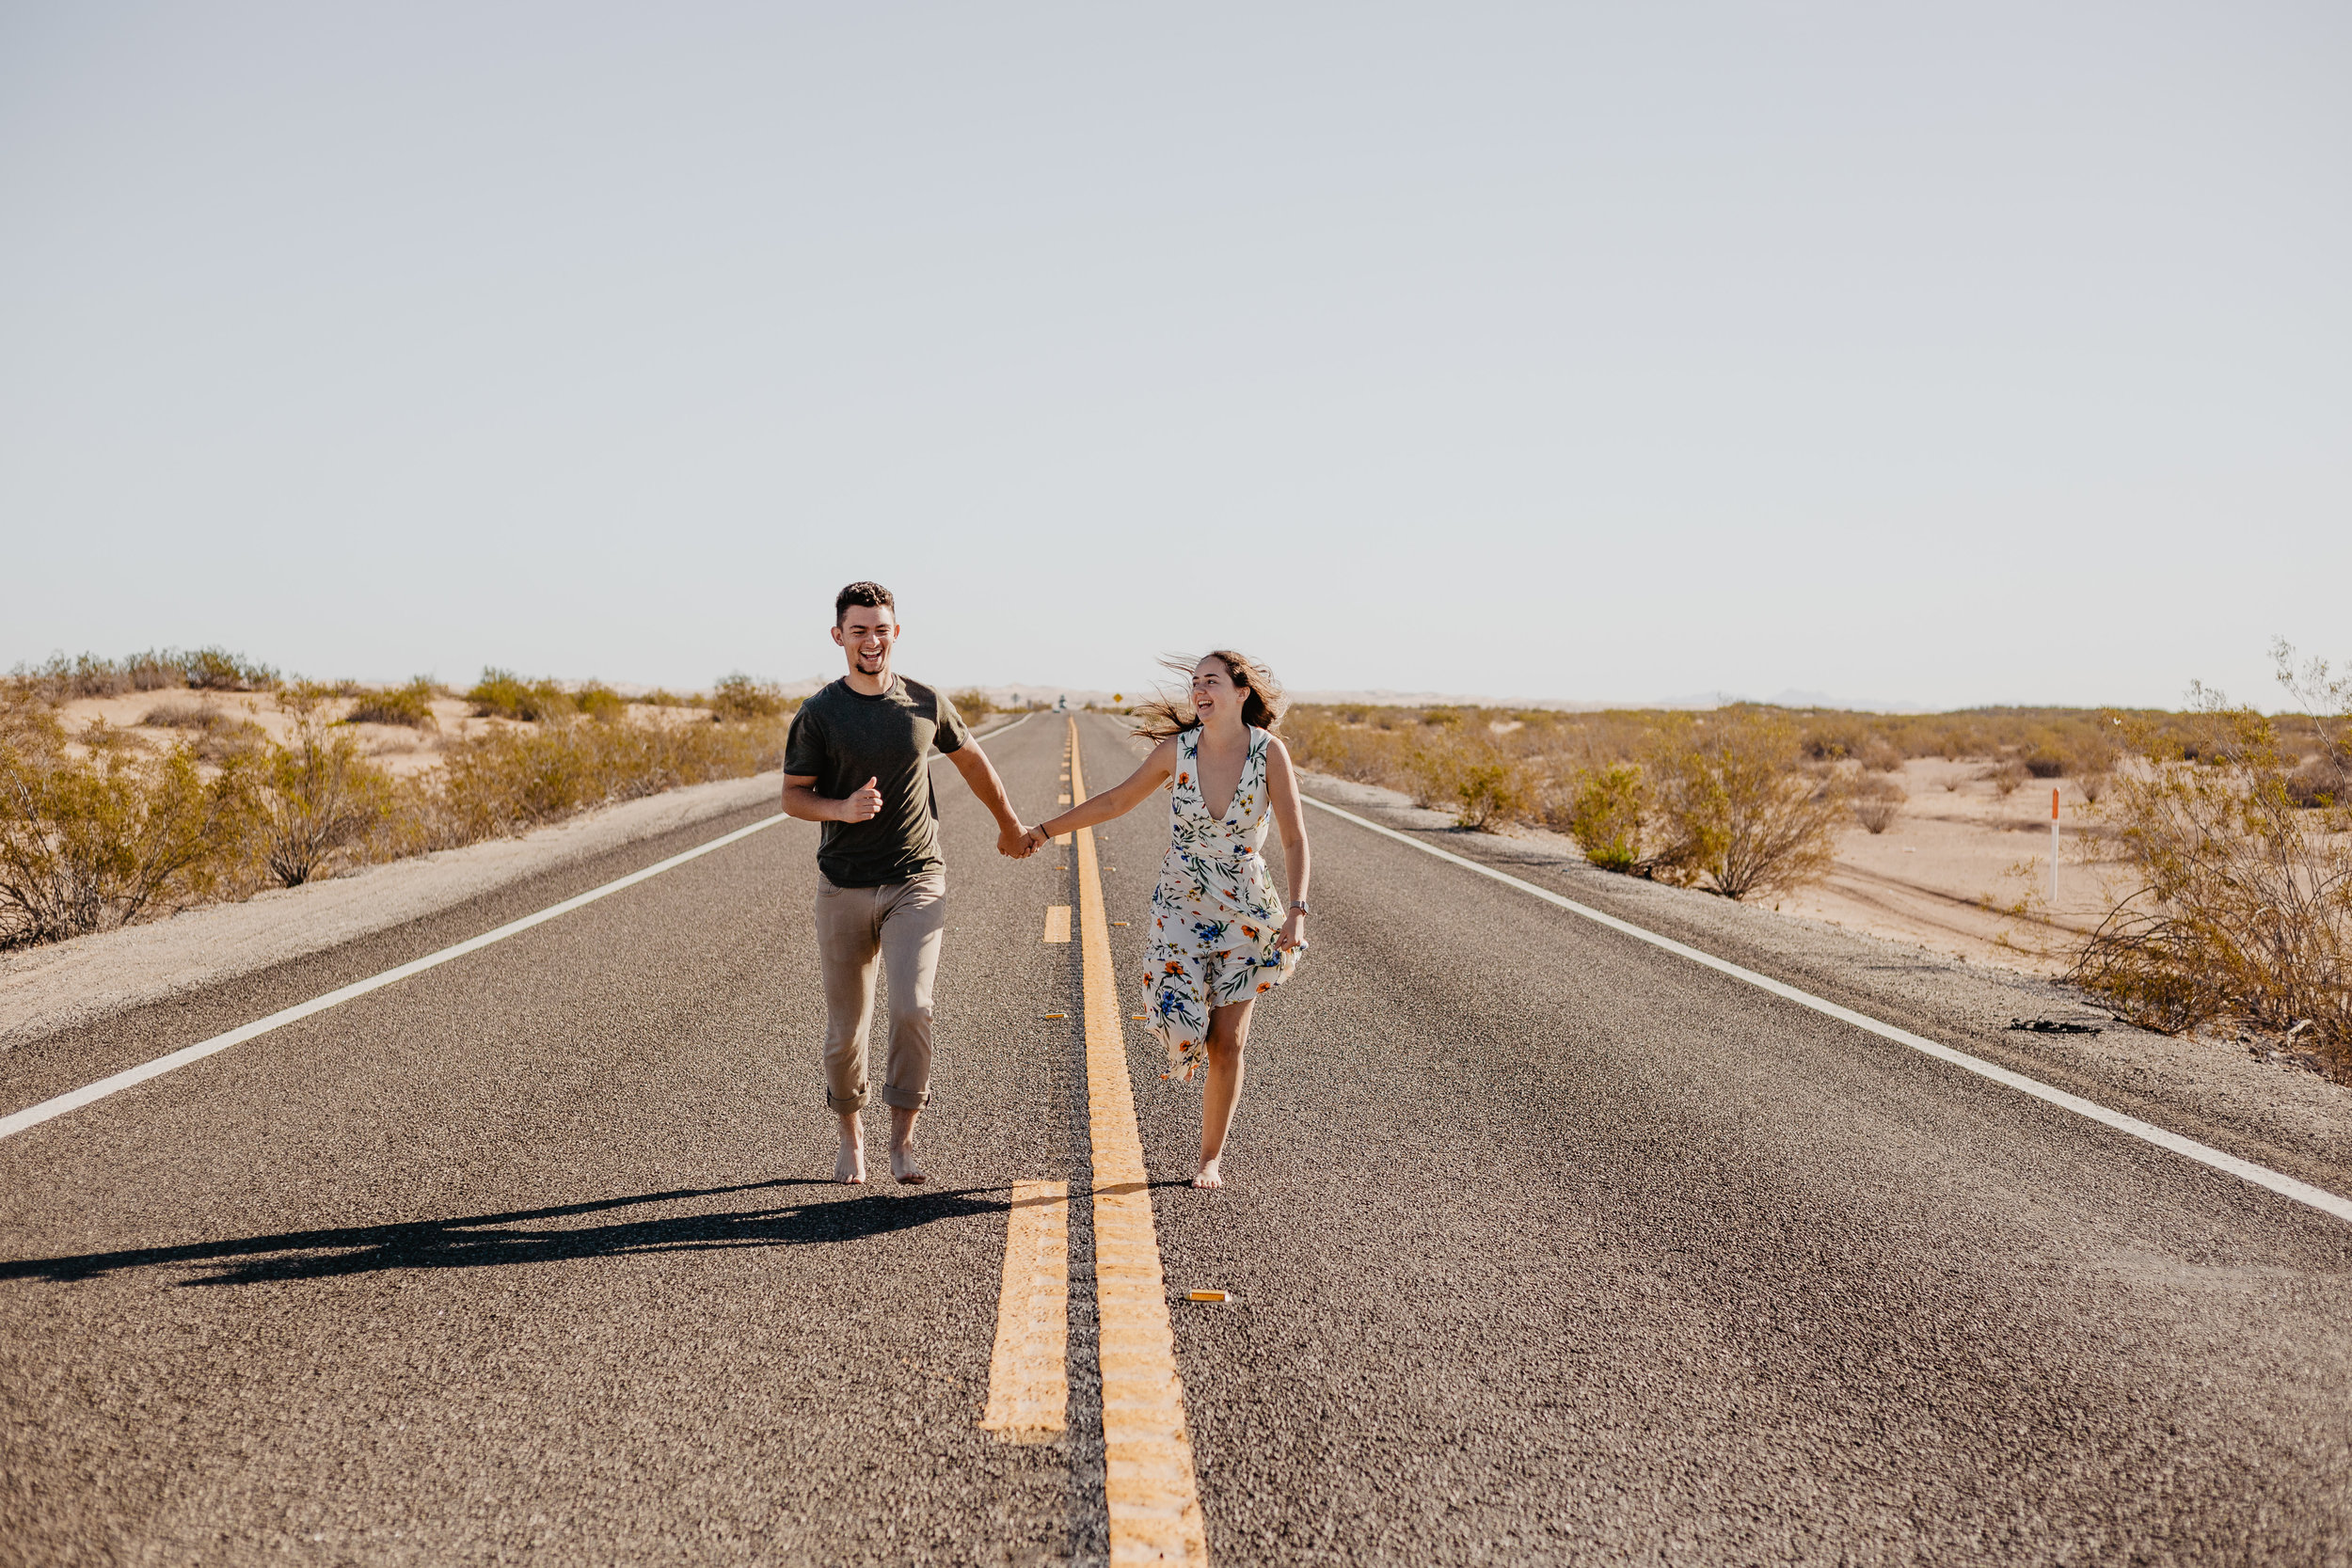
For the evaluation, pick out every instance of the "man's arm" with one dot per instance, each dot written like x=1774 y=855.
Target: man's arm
x=801 y=799
x=981 y=775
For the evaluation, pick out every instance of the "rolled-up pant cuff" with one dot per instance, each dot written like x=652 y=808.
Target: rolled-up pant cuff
x=905 y=1100
x=848 y=1106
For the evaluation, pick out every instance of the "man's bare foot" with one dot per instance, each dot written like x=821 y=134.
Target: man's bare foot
x=1210 y=1176
x=903 y=1166
x=849 y=1167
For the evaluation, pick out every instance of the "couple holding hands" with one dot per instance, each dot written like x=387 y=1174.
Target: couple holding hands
x=856 y=762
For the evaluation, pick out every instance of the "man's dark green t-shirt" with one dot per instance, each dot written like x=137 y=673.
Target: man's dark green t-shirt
x=841 y=737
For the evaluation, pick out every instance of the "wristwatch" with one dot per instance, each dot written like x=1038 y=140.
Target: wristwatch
x=1300 y=905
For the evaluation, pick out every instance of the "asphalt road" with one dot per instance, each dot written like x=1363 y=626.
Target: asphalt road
x=1542 y=1246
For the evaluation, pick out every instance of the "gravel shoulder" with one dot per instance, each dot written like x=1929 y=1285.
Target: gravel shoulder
x=2282 y=1115
x=71 y=984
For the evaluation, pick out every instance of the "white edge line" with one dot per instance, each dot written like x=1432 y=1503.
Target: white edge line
x=2246 y=1170
x=33 y=1115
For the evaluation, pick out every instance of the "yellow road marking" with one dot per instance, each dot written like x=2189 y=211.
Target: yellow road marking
x=1058 y=923
x=1061 y=800
x=1029 y=1385
x=1148 y=1477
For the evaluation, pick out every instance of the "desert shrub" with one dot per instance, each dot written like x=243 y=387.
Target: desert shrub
x=2318 y=782
x=502 y=694
x=599 y=701
x=218 y=734
x=512 y=780
x=2244 y=903
x=738 y=697
x=317 y=797
x=2095 y=784
x=973 y=702
x=99 y=840
x=2043 y=762
x=1606 y=815
x=410 y=705
x=2004 y=777
x=1488 y=793
x=217 y=669
x=1741 y=813
x=1877 y=802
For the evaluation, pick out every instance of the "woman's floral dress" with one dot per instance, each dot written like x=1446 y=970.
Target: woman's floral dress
x=1214 y=913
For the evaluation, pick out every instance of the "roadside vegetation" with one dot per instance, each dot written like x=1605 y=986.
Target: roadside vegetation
x=102 y=825
x=2236 y=831
x=2229 y=832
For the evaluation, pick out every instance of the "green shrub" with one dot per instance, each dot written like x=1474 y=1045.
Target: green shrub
x=1606 y=812
x=509 y=780
x=410 y=705
x=1490 y=792
x=740 y=697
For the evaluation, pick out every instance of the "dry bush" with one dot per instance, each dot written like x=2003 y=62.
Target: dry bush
x=2006 y=778
x=1877 y=802
x=1741 y=813
x=411 y=705
x=513 y=780
x=317 y=797
x=973 y=702
x=1488 y=792
x=219 y=735
x=502 y=694
x=2244 y=907
x=599 y=701
x=98 y=840
x=738 y=698
x=61 y=679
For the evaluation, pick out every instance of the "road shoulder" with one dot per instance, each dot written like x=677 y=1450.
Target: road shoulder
x=2284 y=1117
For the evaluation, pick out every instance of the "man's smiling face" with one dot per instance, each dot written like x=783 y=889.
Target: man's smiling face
x=866 y=634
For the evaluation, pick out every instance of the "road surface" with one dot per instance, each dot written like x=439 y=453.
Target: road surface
x=1544 y=1245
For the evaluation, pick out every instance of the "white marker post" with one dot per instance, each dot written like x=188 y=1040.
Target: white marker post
x=2053 y=795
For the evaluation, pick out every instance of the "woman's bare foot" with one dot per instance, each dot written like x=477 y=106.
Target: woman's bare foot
x=1210 y=1176
x=903 y=1166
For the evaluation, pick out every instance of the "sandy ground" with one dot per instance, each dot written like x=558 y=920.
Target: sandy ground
x=395 y=748
x=1965 y=870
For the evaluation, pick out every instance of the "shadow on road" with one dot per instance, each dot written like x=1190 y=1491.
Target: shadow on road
x=530 y=1235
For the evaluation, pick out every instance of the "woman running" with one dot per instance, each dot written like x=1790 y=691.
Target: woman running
x=1217 y=943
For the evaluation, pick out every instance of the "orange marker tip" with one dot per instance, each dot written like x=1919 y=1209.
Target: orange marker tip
x=1206 y=1295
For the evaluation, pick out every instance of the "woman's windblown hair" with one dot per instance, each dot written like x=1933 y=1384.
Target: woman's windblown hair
x=1164 y=716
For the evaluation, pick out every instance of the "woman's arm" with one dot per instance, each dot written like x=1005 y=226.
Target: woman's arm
x=1120 y=798
x=1289 y=817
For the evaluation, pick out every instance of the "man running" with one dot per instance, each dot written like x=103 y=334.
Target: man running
x=857 y=761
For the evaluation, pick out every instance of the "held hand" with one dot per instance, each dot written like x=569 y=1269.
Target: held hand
x=1013 y=843
x=1036 y=839
x=1293 y=935
x=865 y=804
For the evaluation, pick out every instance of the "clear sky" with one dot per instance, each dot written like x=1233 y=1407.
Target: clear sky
x=1938 y=354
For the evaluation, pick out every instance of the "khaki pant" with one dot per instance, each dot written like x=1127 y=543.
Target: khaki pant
x=902 y=923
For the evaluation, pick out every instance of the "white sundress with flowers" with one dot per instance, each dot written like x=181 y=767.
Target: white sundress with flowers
x=1214 y=913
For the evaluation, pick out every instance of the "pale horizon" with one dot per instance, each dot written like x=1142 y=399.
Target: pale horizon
x=1931 y=359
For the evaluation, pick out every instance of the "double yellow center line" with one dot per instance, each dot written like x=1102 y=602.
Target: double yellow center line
x=1148 y=1479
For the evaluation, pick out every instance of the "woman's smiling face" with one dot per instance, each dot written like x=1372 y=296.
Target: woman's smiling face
x=1213 y=689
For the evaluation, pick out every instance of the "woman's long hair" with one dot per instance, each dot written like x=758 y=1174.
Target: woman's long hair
x=1164 y=717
